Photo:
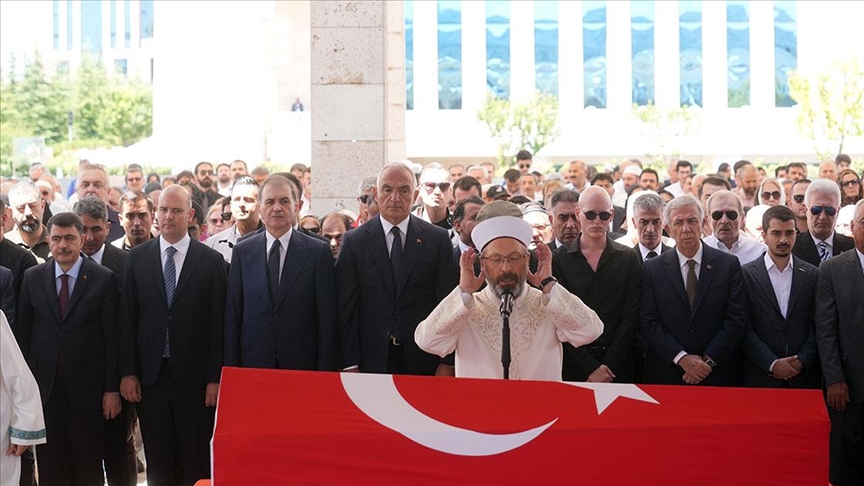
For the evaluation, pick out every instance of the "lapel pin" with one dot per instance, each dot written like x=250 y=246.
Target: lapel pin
x=708 y=267
x=419 y=241
x=84 y=277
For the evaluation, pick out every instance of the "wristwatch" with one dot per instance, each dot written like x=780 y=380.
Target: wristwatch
x=710 y=362
x=546 y=281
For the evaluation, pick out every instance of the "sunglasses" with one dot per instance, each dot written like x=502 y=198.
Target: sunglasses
x=45 y=193
x=226 y=216
x=817 y=210
x=771 y=195
x=850 y=182
x=524 y=166
x=717 y=215
x=364 y=198
x=443 y=186
x=215 y=221
x=798 y=199
x=315 y=229
x=592 y=215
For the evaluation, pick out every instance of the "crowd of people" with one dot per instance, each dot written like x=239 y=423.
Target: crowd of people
x=126 y=302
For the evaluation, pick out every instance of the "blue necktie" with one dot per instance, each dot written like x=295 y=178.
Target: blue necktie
x=170 y=275
x=273 y=269
x=823 y=251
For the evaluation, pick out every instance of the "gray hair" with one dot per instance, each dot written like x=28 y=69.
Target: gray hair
x=681 y=202
x=858 y=206
x=725 y=194
x=401 y=165
x=366 y=184
x=93 y=207
x=23 y=190
x=647 y=201
x=824 y=187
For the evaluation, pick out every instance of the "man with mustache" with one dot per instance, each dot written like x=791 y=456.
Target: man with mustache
x=544 y=314
x=564 y=217
x=726 y=212
x=204 y=181
x=136 y=216
x=244 y=209
x=780 y=344
x=27 y=211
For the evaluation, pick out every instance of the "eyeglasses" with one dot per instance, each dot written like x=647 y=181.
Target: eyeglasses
x=226 y=216
x=717 y=215
x=817 y=210
x=443 y=186
x=215 y=221
x=364 y=198
x=512 y=259
x=45 y=193
x=771 y=195
x=799 y=198
x=592 y=215
x=850 y=182
x=524 y=166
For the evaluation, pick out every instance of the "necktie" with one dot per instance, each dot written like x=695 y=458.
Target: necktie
x=824 y=254
x=170 y=276
x=273 y=268
x=64 y=295
x=691 y=282
x=650 y=255
x=396 y=252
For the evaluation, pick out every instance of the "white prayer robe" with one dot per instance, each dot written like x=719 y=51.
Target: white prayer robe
x=539 y=323
x=21 y=419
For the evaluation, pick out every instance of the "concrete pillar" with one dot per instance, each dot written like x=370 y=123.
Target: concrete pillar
x=358 y=94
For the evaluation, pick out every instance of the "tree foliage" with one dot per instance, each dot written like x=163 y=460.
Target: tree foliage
x=663 y=130
x=831 y=105
x=516 y=126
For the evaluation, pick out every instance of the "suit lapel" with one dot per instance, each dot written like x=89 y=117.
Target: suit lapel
x=295 y=260
x=764 y=282
x=189 y=264
x=48 y=280
x=853 y=269
x=808 y=249
x=706 y=275
x=80 y=284
x=413 y=247
x=158 y=276
x=673 y=271
x=378 y=249
x=798 y=277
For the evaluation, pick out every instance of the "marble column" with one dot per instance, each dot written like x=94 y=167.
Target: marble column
x=358 y=96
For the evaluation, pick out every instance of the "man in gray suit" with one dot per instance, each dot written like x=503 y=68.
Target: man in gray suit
x=839 y=336
x=780 y=344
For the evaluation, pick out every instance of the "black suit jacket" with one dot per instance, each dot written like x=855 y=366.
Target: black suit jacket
x=114 y=259
x=613 y=293
x=771 y=336
x=839 y=314
x=806 y=250
x=618 y=219
x=299 y=329
x=7 y=295
x=372 y=305
x=16 y=259
x=85 y=340
x=713 y=328
x=663 y=249
x=195 y=319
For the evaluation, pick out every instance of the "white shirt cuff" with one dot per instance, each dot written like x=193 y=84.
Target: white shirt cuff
x=771 y=368
x=350 y=368
x=678 y=356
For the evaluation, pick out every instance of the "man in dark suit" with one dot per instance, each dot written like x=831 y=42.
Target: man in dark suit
x=281 y=308
x=563 y=215
x=391 y=273
x=648 y=220
x=119 y=453
x=67 y=318
x=780 y=343
x=605 y=275
x=821 y=242
x=7 y=295
x=839 y=314
x=93 y=181
x=12 y=256
x=171 y=342
x=694 y=306
x=464 y=220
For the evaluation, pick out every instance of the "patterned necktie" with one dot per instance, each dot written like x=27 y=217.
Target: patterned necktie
x=650 y=255
x=824 y=254
x=64 y=295
x=691 y=282
x=396 y=252
x=170 y=276
x=273 y=268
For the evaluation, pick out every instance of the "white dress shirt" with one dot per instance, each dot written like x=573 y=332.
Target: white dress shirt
x=682 y=264
x=860 y=258
x=675 y=189
x=97 y=257
x=182 y=248
x=283 y=250
x=644 y=251
x=781 y=281
x=828 y=241
x=745 y=249
x=73 y=275
x=388 y=237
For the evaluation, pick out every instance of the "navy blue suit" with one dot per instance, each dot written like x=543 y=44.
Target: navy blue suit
x=713 y=328
x=296 y=332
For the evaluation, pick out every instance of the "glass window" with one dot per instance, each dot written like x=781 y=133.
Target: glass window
x=642 y=53
x=785 y=50
x=146 y=19
x=69 y=25
x=409 y=54
x=498 y=47
x=113 y=24
x=450 y=55
x=594 y=44
x=690 y=51
x=127 y=24
x=546 y=46
x=738 y=52
x=63 y=67
x=120 y=66
x=91 y=26
x=56 y=8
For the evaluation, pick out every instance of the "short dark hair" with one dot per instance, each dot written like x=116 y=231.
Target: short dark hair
x=799 y=181
x=715 y=181
x=800 y=165
x=199 y=164
x=466 y=183
x=186 y=173
x=200 y=214
x=238 y=160
x=683 y=163
x=520 y=199
x=781 y=213
x=130 y=168
x=563 y=196
x=92 y=206
x=723 y=167
x=843 y=158
x=741 y=163
x=223 y=163
x=523 y=155
x=298 y=167
x=66 y=220
x=512 y=175
x=131 y=197
x=602 y=176
x=295 y=183
x=778 y=169
x=650 y=171
x=459 y=210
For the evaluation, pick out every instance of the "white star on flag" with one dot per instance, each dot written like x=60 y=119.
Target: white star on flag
x=606 y=393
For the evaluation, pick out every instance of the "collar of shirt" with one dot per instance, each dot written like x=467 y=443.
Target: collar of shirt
x=644 y=251
x=73 y=272
x=463 y=247
x=283 y=240
x=181 y=246
x=769 y=263
x=558 y=243
x=682 y=260
x=828 y=241
x=97 y=257
x=860 y=258
x=403 y=227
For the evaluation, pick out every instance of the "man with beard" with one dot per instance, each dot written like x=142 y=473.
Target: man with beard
x=27 y=210
x=136 y=216
x=748 y=184
x=565 y=221
x=223 y=177
x=435 y=194
x=244 y=208
x=204 y=181
x=543 y=315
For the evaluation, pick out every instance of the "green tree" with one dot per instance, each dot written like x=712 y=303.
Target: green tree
x=516 y=126
x=831 y=105
x=664 y=129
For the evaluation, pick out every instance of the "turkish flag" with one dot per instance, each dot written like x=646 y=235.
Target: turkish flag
x=287 y=427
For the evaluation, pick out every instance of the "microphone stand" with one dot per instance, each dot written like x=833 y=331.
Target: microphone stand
x=505 y=309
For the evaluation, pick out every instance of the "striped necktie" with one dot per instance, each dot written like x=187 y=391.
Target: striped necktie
x=824 y=254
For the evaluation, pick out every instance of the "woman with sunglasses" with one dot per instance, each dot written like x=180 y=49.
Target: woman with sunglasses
x=850 y=188
x=771 y=193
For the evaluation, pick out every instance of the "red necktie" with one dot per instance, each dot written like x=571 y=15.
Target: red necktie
x=64 y=295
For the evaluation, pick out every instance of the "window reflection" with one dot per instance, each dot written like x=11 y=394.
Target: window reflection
x=546 y=46
x=450 y=55
x=690 y=51
x=642 y=55
x=498 y=47
x=785 y=50
x=738 y=52
x=594 y=44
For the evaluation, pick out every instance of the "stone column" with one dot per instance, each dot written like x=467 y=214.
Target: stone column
x=358 y=96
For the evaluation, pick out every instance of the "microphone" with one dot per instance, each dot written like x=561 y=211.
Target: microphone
x=506 y=304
